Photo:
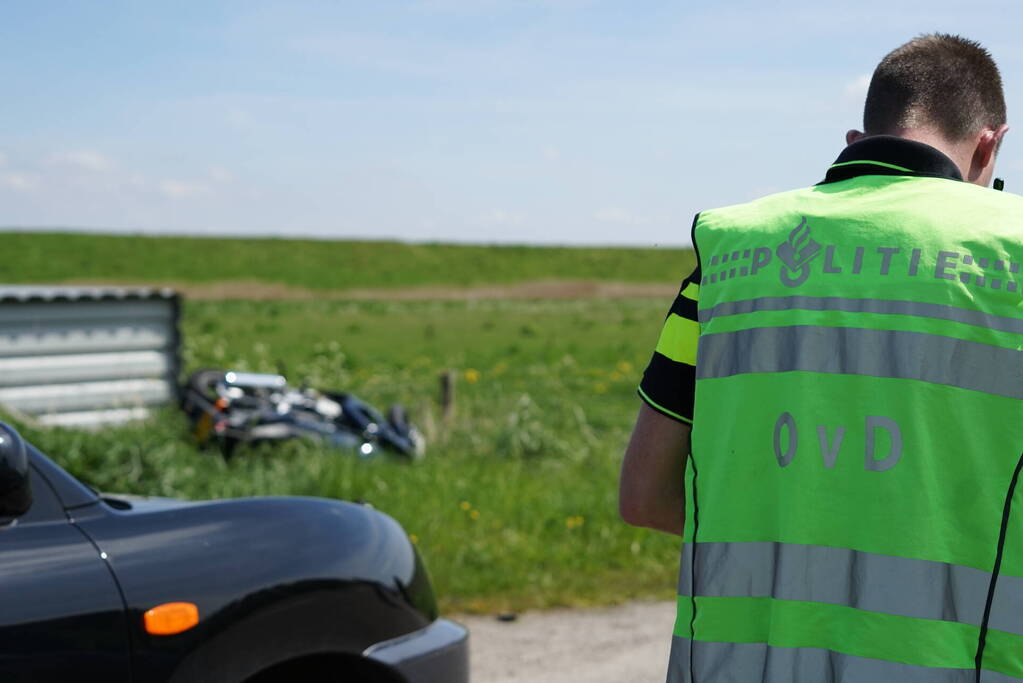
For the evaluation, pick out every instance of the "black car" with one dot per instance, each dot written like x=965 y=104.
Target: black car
x=260 y=590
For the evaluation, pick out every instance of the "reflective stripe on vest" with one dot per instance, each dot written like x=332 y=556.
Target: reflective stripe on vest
x=743 y=662
x=883 y=306
x=871 y=353
x=910 y=609
x=900 y=586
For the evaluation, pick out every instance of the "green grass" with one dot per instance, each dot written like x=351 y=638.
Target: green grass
x=321 y=265
x=514 y=505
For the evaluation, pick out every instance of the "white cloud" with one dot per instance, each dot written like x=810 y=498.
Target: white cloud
x=22 y=182
x=182 y=189
x=551 y=153
x=501 y=218
x=763 y=191
x=619 y=216
x=857 y=88
x=478 y=5
x=3 y=160
x=84 y=159
x=220 y=174
x=240 y=119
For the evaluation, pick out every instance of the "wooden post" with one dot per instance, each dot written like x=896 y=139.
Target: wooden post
x=447 y=395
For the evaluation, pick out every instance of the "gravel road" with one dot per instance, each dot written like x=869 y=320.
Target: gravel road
x=626 y=644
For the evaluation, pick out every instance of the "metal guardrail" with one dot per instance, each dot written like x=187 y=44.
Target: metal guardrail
x=88 y=356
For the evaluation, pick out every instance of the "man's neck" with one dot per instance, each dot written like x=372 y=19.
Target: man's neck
x=961 y=154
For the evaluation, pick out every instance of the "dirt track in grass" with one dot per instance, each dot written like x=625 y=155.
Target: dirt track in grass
x=539 y=289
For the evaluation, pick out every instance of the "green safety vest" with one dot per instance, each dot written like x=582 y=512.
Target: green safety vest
x=856 y=431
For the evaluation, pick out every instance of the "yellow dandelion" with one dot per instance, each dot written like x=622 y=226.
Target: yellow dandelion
x=414 y=539
x=472 y=376
x=600 y=387
x=475 y=514
x=624 y=367
x=617 y=376
x=465 y=505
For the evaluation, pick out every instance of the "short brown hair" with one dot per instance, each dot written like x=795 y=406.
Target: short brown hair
x=939 y=80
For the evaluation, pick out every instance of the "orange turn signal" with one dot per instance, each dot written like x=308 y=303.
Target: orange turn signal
x=221 y=403
x=171 y=617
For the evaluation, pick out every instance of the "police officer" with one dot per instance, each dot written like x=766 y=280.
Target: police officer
x=831 y=418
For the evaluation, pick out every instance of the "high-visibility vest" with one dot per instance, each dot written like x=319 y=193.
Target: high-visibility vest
x=856 y=433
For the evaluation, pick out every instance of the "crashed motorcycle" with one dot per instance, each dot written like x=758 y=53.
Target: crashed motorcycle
x=230 y=408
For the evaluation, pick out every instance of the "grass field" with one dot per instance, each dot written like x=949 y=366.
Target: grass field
x=321 y=265
x=514 y=505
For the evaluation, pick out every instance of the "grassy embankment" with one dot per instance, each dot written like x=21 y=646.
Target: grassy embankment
x=320 y=265
x=515 y=503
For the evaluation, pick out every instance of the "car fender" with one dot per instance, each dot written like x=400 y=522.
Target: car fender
x=271 y=577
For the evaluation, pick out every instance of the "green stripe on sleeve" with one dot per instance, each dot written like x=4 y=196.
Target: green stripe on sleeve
x=692 y=291
x=657 y=406
x=678 y=339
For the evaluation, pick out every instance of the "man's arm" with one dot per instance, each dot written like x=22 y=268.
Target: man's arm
x=651 y=490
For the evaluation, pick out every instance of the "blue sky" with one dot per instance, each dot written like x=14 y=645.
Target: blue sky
x=526 y=121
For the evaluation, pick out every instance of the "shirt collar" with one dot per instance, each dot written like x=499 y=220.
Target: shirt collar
x=890 y=155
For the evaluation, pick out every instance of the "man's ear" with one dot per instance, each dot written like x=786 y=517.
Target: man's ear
x=852 y=136
x=984 y=151
x=987 y=145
